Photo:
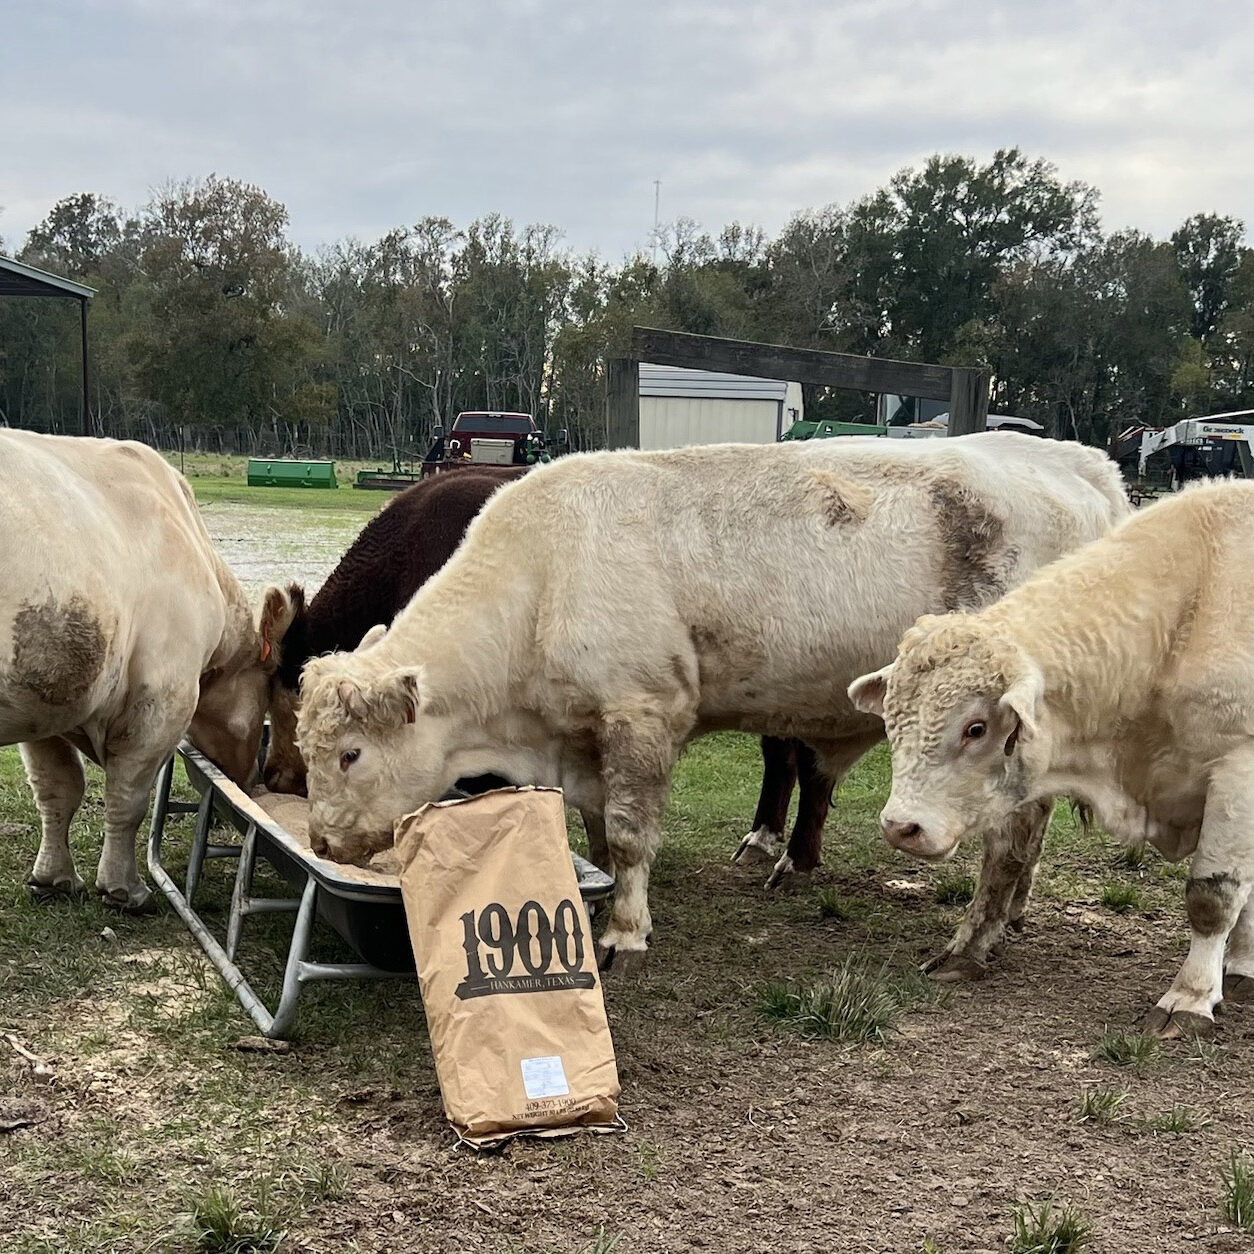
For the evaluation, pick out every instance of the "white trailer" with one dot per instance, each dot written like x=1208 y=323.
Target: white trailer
x=1201 y=432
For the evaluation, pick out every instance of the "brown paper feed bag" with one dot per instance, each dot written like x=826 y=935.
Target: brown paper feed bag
x=507 y=966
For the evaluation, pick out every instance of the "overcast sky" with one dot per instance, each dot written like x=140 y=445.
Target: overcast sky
x=367 y=115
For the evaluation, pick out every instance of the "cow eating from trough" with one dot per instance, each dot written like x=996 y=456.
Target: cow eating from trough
x=121 y=629
x=652 y=603
x=396 y=552
x=394 y=555
x=1122 y=676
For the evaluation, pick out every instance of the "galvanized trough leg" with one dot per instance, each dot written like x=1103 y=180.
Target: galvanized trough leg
x=242 y=890
x=293 y=975
x=200 y=844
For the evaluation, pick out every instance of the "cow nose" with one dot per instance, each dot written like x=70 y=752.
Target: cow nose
x=900 y=833
x=318 y=844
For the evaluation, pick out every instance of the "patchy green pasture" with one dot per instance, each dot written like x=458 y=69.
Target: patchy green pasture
x=136 y=1116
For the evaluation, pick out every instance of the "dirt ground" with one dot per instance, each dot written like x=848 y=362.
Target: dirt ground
x=145 y=1107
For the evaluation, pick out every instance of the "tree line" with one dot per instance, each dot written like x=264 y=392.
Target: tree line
x=210 y=327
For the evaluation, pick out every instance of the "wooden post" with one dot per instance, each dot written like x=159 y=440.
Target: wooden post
x=968 y=401
x=622 y=402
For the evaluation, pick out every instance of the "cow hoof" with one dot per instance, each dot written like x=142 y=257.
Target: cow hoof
x=621 y=963
x=1168 y=1025
x=781 y=874
x=1238 y=988
x=136 y=900
x=59 y=890
x=955 y=969
x=760 y=845
x=1017 y=925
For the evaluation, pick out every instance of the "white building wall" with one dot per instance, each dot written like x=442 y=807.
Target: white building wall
x=676 y=421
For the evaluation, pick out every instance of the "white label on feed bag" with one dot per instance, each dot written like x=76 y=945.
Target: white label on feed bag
x=544 y=1077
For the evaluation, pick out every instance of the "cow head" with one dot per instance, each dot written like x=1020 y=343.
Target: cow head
x=283 y=620
x=234 y=693
x=962 y=708
x=373 y=753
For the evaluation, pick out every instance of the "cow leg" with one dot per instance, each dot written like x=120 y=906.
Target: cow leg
x=1215 y=896
x=128 y=783
x=779 y=774
x=1029 y=863
x=598 y=849
x=637 y=754
x=820 y=770
x=1239 y=962
x=55 y=772
x=1011 y=856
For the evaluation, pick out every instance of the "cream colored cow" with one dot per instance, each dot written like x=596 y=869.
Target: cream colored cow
x=120 y=627
x=606 y=609
x=1122 y=675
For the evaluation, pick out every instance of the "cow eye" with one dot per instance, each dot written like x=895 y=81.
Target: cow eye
x=348 y=757
x=974 y=731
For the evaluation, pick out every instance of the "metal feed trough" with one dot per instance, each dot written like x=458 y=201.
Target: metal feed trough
x=362 y=904
x=281 y=473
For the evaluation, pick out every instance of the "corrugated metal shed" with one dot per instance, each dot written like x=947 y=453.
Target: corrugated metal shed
x=707 y=384
x=19 y=279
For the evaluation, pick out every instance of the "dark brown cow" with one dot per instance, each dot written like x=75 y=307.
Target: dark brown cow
x=395 y=554
x=786 y=763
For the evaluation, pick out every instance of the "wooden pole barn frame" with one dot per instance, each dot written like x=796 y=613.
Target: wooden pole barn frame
x=966 y=388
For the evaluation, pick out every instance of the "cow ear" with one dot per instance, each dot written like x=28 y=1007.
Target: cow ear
x=1021 y=705
x=372 y=637
x=396 y=697
x=867 y=692
x=280 y=607
x=352 y=699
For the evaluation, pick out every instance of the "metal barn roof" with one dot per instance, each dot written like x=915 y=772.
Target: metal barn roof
x=708 y=384
x=19 y=279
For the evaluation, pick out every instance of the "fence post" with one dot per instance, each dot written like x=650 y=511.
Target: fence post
x=968 y=400
x=622 y=402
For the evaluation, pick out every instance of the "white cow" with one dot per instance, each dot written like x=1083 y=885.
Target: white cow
x=1122 y=675
x=606 y=609
x=119 y=627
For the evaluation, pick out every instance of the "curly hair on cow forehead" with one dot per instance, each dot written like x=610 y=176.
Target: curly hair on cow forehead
x=323 y=717
x=336 y=695
x=960 y=645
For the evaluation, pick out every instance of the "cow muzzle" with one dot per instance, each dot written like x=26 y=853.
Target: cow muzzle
x=913 y=838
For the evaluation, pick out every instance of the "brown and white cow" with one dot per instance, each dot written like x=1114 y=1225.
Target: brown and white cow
x=607 y=608
x=120 y=630
x=1122 y=675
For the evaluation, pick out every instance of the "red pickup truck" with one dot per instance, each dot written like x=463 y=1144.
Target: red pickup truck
x=490 y=438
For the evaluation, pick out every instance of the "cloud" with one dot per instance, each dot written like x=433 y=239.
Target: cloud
x=362 y=117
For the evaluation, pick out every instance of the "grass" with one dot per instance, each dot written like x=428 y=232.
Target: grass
x=218 y=1226
x=324 y=1183
x=1127 y=1049
x=1048 y=1229
x=1102 y=1105
x=954 y=888
x=859 y=1001
x=1132 y=857
x=649 y=1160
x=225 y=479
x=603 y=1243
x=1238 y=1192
x=1121 y=898
x=832 y=904
x=1179 y=1119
